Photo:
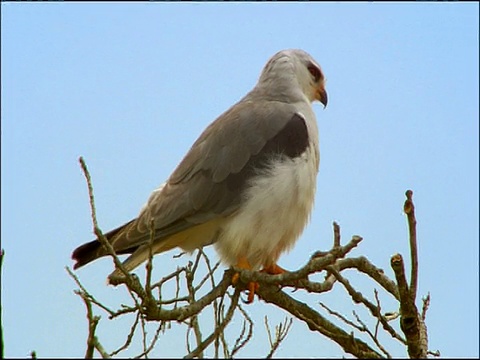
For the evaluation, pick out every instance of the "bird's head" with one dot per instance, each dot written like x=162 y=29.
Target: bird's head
x=297 y=66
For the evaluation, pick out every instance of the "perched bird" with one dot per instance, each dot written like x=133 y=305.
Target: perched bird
x=247 y=184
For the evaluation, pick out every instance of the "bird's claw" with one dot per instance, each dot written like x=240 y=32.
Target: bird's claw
x=273 y=270
x=252 y=287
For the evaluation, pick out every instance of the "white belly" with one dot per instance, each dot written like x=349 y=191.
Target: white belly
x=276 y=209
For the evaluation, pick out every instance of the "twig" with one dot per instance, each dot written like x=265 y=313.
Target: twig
x=426 y=305
x=218 y=329
x=336 y=235
x=435 y=353
x=168 y=277
x=193 y=324
x=185 y=312
x=218 y=317
x=379 y=310
x=340 y=316
x=240 y=344
x=92 y=341
x=409 y=209
x=153 y=342
x=216 y=310
x=125 y=310
x=129 y=279
x=281 y=331
x=177 y=285
x=333 y=262
x=210 y=272
x=319 y=261
x=362 y=327
x=90 y=296
x=409 y=318
x=317 y=322
x=359 y=298
x=269 y=333
x=129 y=336
x=149 y=265
x=363 y=265
x=365 y=328
x=100 y=349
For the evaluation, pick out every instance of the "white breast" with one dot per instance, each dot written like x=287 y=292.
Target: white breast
x=276 y=209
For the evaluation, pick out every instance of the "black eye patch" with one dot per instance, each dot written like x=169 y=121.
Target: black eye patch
x=315 y=71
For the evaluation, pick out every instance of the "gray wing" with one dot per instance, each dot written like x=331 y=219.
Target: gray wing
x=209 y=181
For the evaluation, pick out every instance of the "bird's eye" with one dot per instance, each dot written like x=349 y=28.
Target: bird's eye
x=315 y=71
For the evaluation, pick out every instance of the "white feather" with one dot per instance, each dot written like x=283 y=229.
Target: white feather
x=276 y=209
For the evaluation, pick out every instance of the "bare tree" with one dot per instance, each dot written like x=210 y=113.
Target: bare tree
x=213 y=294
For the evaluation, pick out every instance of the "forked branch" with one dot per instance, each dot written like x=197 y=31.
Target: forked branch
x=195 y=292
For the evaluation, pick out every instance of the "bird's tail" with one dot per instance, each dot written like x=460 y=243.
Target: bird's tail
x=93 y=250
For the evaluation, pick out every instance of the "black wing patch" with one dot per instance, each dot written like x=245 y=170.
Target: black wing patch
x=291 y=141
x=202 y=198
x=208 y=198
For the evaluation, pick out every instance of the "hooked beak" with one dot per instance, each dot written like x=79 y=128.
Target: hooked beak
x=321 y=95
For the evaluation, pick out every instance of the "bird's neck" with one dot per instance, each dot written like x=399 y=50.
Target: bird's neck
x=279 y=89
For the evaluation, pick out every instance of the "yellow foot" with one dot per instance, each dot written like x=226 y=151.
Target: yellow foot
x=252 y=288
x=276 y=270
x=243 y=263
x=273 y=270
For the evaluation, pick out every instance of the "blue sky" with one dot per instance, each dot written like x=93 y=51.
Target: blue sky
x=131 y=86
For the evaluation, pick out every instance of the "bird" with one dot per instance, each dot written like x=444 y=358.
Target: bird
x=246 y=185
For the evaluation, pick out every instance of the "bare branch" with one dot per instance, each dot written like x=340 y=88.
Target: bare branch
x=379 y=310
x=182 y=313
x=92 y=341
x=132 y=282
x=359 y=298
x=281 y=331
x=210 y=272
x=86 y=293
x=239 y=343
x=185 y=307
x=318 y=262
x=100 y=349
x=336 y=235
x=374 y=337
x=129 y=336
x=317 y=322
x=153 y=342
x=193 y=323
x=149 y=265
x=340 y=316
x=218 y=329
x=434 y=353
x=363 y=265
x=409 y=318
x=168 y=277
x=362 y=327
x=426 y=305
x=409 y=209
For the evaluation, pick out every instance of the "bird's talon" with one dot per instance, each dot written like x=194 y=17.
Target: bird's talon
x=252 y=288
x=235 y=278
x=273 y=270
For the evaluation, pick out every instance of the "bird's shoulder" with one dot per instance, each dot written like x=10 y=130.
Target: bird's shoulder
x=237 y=134
x=212 y=176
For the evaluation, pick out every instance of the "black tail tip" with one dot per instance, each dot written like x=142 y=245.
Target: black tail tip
x=85 y=253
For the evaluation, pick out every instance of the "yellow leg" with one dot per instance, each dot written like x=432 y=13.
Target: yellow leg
x=252 y=288
x=274 y=270
x=243 y=263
